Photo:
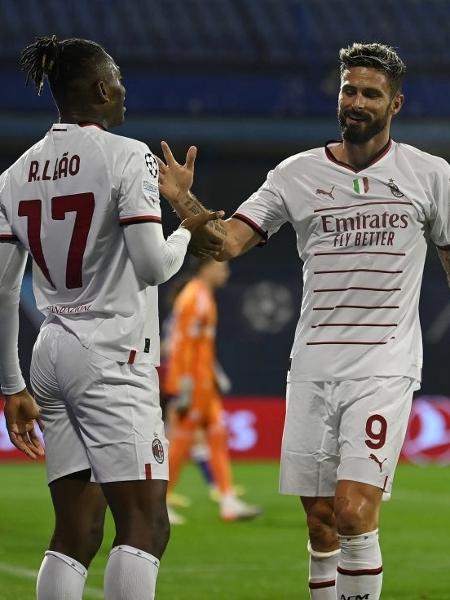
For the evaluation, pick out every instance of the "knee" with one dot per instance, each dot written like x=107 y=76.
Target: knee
x=356 y=514
x=81 y=542
x=147 y=531
x=322 y=529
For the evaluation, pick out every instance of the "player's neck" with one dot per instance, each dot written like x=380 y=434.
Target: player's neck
x=359 y=156
x=73 y=116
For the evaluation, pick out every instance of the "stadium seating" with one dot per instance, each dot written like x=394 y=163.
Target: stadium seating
x=291 y=45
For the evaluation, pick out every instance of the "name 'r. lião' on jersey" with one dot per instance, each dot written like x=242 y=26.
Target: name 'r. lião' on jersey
x=54 y=169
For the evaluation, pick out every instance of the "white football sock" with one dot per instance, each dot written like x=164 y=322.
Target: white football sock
x=60 y=578
x=130 y=573
x=360 y=570
x=322 y=574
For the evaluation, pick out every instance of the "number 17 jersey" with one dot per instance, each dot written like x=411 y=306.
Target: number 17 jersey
x=66 y=200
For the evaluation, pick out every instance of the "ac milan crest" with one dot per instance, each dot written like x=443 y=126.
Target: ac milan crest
x=158 y=450
x=395 y=191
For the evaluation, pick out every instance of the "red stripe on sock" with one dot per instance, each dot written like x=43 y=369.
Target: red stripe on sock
x=360 y=571
x=313 y=585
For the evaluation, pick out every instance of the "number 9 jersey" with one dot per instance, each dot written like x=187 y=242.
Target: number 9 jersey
x=66 y=200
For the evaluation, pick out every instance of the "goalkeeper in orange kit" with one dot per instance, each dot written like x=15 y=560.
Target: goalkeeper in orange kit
x=191 y=381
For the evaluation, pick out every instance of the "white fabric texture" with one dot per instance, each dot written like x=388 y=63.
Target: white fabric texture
x=109 y=420
x=360 y=570
x=130 y=573
x=326 y=433
x=60 y=578
x=88 y=272
x=322 y=574
x=12 y=264
x=362 y=237
x=154 y=258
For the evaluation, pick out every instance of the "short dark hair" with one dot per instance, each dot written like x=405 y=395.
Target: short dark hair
x=61 y=62
x=377 y=56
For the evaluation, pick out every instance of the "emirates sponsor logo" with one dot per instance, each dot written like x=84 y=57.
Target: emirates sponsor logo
x=377 y=229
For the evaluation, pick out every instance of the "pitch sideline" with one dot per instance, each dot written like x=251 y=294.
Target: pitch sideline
x=32 y=574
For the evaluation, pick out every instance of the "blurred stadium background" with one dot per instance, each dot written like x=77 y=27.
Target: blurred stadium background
x=250 y=82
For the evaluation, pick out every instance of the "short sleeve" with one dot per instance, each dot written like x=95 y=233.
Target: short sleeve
x=265 y=210
x=6 y=233
x=138 y=198
x=440 y=214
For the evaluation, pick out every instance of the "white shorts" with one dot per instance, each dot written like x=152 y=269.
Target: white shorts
x=350 y=430
x=98 y=414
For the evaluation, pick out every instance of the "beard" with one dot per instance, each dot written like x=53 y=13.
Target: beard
x=362 y=132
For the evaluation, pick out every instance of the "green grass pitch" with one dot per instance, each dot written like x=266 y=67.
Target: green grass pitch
x=260 y=560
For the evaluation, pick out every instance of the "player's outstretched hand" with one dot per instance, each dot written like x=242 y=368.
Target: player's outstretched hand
x=175 y=180
x=21 y=413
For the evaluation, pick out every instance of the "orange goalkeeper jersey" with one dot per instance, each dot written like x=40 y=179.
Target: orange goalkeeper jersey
x=191 y=348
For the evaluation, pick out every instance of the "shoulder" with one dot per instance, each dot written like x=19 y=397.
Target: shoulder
x=423 y=162
x=113 y=142
x=298 y=162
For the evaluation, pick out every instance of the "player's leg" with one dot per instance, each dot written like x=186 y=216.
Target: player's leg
x=373 y=424
x=142 y=532
x=323 y=547
x=309 y=462
x=182 y=434
x=79 y=505
x=120 y=422
x=231 y=507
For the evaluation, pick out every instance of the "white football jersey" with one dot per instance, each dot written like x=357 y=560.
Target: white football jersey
x=65 y=200
x=362 y=237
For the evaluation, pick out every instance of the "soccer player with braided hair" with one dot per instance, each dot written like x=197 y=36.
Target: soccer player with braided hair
x=85 y=204
x=363 y=209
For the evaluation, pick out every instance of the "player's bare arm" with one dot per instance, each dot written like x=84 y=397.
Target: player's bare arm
x=220 y=239
x=444 y=255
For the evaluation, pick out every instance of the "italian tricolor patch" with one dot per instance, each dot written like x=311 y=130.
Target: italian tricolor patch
x=361 y=185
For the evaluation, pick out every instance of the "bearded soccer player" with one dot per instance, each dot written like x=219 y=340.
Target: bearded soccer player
x=85 y=204
x=363 y=209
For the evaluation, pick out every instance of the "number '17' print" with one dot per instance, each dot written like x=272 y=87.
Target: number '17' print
x=83 y=205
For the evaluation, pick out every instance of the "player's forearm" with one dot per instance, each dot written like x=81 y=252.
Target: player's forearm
x=12 y=265
x=190 y=205
x=154 y=258
x=444 y=255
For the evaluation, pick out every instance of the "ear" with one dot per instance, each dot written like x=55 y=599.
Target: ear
x=397 y=103
x=101 y=91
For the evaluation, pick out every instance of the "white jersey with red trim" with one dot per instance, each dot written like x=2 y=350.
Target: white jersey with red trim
x=65 y=200
x=362 y=237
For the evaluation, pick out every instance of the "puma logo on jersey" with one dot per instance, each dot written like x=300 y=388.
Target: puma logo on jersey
x=379 y=463
x=325 y=193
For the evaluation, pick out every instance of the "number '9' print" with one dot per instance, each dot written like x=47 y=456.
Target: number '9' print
x=376 y=430
x=83 y=205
